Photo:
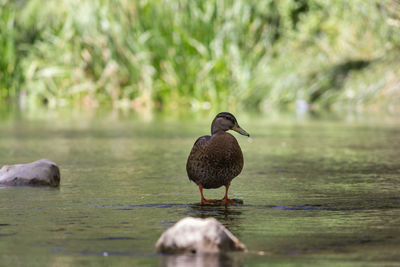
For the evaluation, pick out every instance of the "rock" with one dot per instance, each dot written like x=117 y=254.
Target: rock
x=38 y=173
x=194 y=235
x=201 y=260
x=218 y=202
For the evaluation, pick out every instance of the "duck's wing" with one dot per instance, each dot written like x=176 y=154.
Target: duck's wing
x=196 y=157
x=199 y=148
x=200 y=142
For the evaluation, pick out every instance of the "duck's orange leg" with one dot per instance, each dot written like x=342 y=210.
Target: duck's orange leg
x=226 y=199
x=203 y=200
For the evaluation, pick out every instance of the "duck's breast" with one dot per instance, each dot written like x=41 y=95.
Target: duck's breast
x=214 y=161
x=226 y=154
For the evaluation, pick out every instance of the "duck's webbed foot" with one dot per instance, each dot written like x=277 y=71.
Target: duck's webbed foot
x=203 y=200
x=227 y=200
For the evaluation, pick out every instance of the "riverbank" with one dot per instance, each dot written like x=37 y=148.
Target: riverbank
x=168 y=55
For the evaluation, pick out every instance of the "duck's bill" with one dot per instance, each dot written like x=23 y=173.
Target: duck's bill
x=237 y=128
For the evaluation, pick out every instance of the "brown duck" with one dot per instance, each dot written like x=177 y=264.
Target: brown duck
x=215 y=160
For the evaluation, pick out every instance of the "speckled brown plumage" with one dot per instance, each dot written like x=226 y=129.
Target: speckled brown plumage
x=217 y=159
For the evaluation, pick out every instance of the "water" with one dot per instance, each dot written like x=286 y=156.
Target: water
x=314 y=191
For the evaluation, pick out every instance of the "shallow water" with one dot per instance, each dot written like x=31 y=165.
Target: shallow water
x=314 y=192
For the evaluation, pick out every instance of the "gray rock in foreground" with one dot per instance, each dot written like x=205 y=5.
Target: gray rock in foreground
x=194 y=235
x=42 y=172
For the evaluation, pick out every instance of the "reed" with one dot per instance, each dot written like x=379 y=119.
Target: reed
x=168 y=54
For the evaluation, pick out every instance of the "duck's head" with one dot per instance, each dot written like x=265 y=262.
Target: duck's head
x=225 y=121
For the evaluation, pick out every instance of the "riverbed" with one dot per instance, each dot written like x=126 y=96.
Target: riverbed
x=315 y=191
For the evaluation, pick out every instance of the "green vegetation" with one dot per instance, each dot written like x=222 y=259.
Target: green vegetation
x=165 y=54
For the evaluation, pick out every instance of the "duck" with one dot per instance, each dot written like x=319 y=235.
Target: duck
x=216 y=160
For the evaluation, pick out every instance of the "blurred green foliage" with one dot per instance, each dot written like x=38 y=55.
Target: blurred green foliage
x=169 y=54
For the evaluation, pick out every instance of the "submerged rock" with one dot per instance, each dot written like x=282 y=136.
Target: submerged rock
x=42 y=172
x=201 y=260
x=219 y=202
x=194 y=235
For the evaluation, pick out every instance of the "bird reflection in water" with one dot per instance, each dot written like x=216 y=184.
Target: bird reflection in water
x=228 y=215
